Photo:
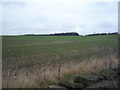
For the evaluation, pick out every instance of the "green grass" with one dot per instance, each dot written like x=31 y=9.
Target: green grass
x=52 y=46
x=48 y=44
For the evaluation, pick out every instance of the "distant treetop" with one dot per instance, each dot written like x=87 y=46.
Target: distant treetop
x=55 y=34
x=96 y=34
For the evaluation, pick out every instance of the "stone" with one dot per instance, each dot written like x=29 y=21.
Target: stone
x=109 y=73
x=103 y=84
x=95 y=78
x=118 y=70
x=56 y=86
x=78 y=85
x=81 y=80
x=66 y=84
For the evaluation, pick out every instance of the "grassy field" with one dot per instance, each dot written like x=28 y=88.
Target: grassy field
x=38 y=61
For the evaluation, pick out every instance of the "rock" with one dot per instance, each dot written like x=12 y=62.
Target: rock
x=66 y=84
x=56 y=86
x=95 y=78
x=118 y=70
x=117 y=81
x=106 y=79
x=78 y=85
x=109 y=73
x=81 y=80
x=103 y=84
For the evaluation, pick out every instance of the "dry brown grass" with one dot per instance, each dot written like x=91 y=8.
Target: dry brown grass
x=35 y=76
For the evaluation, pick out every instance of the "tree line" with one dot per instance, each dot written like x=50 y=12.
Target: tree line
x=55 y=34
x=71 y=34
x=96 y=34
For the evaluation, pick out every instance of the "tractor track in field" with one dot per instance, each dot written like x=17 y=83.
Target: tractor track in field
x=56 y=42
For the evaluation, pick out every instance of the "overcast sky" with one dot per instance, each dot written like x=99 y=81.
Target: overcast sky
x=59 y=16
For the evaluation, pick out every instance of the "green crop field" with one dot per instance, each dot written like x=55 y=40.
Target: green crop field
x=29 y=51
x=52 y=45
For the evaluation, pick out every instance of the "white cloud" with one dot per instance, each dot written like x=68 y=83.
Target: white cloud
x=62 y=16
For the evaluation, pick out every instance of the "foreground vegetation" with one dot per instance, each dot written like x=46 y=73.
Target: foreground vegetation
x=38 y=61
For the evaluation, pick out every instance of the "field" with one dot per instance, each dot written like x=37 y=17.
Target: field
x=38 y=61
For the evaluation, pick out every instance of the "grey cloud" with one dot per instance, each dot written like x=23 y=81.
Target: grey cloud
x=10 y=4
x=19 y=18
x=105 y=24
